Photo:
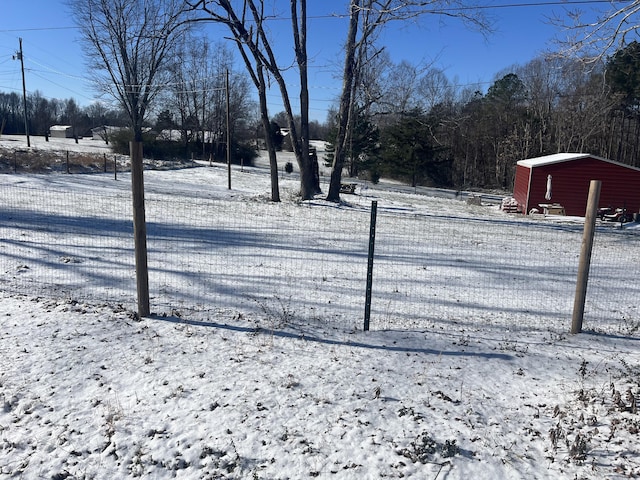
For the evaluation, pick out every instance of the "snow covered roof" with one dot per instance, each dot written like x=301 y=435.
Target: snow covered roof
x=565 y=157
x=59 y=127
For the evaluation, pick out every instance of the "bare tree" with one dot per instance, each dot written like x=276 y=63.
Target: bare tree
x=583 y=111
x=366 y=19
x=247 y=26
x=71 y=115
x=373 y=80
x=193 y=67
x=197 y=94
x=127 y=43
x=543 y=80
x=401 y=96
x=198 y=81
x=42 y=113
x=434 y=88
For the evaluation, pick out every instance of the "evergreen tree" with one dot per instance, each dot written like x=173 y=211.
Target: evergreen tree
x=409 y=152
x=623 y=74
x=362 y=154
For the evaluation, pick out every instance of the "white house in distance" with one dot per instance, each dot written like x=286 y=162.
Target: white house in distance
x=61 y=131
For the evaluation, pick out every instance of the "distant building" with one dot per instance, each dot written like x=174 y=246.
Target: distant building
x=561 y=182
x=61 y=131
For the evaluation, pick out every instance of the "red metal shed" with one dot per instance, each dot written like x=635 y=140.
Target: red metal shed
x=568 y=185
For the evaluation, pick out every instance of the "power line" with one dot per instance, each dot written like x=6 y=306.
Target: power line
x=35 y=29
x=550 y=3
x=59 y=86
x=51 y=70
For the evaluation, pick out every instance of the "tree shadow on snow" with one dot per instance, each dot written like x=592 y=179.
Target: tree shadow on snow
x=331 y=341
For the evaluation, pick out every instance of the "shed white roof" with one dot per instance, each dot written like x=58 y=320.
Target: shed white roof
x=565 y=157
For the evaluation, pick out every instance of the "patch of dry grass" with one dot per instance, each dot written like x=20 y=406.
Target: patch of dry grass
x=48 y=161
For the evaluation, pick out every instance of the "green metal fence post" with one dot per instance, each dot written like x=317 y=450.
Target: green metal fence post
x=372 y=242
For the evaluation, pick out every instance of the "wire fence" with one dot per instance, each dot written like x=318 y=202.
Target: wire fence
x=247 y=257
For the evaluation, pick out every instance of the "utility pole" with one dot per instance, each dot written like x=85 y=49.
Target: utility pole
x=24 y=93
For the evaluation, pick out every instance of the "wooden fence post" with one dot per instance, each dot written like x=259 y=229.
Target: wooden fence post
x=139 y=228
x=585 y=256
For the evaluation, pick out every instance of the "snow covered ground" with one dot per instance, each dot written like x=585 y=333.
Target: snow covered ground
x=87 y=390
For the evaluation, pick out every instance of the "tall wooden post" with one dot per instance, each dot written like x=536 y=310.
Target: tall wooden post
x=139 y=228
x=585 y=256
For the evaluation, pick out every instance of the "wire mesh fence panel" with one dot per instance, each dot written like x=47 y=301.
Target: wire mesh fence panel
x=247 y=256
x=473 y=272
x=613 y=290
x=74 y=243
x=276 y=259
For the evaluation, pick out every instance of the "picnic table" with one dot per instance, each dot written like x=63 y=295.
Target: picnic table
x=552 y=209
x=348 y=188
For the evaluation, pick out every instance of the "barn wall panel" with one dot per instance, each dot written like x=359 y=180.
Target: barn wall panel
x=521 y=187
x=571 y=179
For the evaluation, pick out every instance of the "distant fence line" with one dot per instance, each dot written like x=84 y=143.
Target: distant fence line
x=44 y=161
x=282 y=261
x=54 y=161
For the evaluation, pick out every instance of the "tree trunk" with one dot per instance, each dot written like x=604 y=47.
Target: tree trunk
x=309 y=181
x=264 y=115
x=345 y=105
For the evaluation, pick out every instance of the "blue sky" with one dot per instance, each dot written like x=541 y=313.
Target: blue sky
x=54 y=62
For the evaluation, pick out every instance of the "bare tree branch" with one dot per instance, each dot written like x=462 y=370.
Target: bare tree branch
x=594 y=40
x=127 y=44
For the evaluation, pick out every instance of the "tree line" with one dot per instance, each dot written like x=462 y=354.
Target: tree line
x=406 y=122
x=421 y=128
x=44 y=112
x=190 y=110
x=416 y=126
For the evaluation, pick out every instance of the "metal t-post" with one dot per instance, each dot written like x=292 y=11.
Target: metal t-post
x=372 y=243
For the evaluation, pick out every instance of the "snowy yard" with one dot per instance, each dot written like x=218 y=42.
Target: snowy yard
x=468 y=372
